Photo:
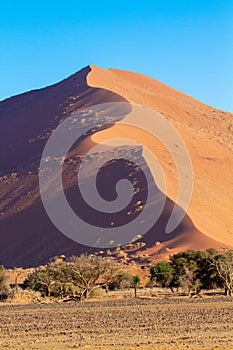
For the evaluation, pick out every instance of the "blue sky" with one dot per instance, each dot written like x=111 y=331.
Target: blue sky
x=185 y=44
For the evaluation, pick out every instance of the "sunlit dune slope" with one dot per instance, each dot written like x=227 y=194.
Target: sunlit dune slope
x=207 y=132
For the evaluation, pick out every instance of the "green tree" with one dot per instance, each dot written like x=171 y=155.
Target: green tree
x=163 y=275
x=135 y=284
x=187 y=267
x=51 y=280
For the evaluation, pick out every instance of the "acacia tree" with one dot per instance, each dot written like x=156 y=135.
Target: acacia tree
x=90 y=271
x=18 y=272
x=224 y=266
x=207 y=271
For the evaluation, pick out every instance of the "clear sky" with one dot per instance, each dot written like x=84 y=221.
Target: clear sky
x=185 y=44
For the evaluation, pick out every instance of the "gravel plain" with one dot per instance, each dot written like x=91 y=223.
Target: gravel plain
x=143 y=323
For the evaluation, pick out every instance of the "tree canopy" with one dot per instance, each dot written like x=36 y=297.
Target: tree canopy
x=194 y=270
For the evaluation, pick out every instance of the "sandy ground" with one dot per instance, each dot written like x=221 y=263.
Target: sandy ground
x=157 y=323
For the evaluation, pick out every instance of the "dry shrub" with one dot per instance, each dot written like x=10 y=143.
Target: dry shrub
x=24 y=296
x=97 y=293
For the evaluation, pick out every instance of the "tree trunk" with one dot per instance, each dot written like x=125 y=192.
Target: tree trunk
x=86 y=294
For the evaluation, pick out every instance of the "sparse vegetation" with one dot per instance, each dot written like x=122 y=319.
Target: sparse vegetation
x=77 y=278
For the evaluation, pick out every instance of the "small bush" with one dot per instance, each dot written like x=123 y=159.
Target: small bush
x=97 y=293
x=23 y=296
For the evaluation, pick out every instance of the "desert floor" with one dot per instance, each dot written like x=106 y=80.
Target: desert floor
x=145 y=323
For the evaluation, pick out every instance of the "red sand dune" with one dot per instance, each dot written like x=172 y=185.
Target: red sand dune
x=26 y=122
